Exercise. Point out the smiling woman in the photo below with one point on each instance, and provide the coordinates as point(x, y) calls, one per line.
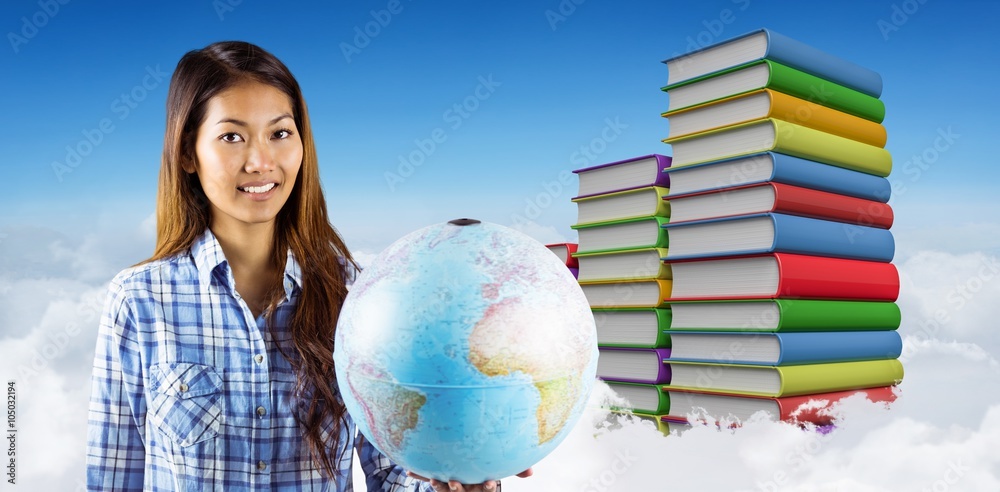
point(214, 365)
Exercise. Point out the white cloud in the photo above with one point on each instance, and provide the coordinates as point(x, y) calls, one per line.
point(939, 434)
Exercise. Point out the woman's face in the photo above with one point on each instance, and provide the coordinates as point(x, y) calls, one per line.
point(248, 154)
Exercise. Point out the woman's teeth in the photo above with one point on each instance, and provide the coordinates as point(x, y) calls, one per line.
point(258, 189)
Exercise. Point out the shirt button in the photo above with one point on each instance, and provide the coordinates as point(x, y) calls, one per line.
point(182, 387)
point(258, 358)
point(261, 465)
point(261, 411)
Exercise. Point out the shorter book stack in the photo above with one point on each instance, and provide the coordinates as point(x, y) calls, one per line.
point(782, 287)
point(620, 214)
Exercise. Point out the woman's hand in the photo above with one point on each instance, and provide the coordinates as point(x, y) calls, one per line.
point(454, 486)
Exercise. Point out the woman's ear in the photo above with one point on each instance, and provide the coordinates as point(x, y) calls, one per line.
point(188, 165)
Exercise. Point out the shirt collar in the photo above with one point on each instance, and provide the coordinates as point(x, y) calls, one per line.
point(208, 256)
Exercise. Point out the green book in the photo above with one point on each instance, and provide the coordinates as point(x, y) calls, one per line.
point(624, 265)
point(766, 74)
point(642, 398)
point(779, 381)
point(632, 327)
point(784, 315)
point(640, 232)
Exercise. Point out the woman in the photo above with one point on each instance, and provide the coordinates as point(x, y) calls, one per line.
point(213, 368)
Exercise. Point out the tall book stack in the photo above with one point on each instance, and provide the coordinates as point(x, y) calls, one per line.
point(620, 214)
point(780, 249)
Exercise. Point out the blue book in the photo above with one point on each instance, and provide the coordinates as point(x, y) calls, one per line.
point(777, 233)
point(779, 168)
point(767, 44)
point(784, 349)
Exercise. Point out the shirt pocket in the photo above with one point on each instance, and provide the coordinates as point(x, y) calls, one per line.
point(186, 401)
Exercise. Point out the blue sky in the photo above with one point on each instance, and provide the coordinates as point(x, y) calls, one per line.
point(560, 72)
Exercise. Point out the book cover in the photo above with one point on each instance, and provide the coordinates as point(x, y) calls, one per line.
point(633, 365)
point(778, 168)
point(779, 198)
point(780, 136)
point(565, 252)
point(642, 398)
point(629, 204)
point(811, 408)
point(784, 315)
point(782, 349)
point(785, 275)
point(623, 265)
point(639, 293)
point(789, 81)
point(632, 327)
point(778, 381)
point(627, 174)
point(640, 232)
point(767, 44)
point(777, 233)
point(766, 103)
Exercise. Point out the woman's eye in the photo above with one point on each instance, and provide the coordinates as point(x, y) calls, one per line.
point(231, 137)
point(282, 134)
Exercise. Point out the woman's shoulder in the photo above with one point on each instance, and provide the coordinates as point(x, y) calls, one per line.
point(160, 271)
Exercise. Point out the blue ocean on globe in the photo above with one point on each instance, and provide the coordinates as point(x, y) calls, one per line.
point(466, 350)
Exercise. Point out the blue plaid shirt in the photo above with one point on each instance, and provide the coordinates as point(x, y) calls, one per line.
point(191, 392)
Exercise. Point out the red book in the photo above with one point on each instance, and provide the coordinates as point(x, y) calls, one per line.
point(783, 275)
point(780, 198)
point(565, 253)
point(804, 409)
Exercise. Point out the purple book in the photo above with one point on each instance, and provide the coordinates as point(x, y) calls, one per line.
point(633, 365)
point(637, 172)
point(575, 272)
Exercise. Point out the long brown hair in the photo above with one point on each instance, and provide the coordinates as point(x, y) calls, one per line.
point(182, 215)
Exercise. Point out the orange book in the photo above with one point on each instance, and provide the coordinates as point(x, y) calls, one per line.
point(767, 103)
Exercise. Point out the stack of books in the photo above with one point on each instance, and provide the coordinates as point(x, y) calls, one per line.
point(782, 287)
point(620, 214)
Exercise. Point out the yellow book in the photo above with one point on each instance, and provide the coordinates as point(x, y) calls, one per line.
point(617, 418)
point(780, 136)
point(623, 264)
point(778, 381)
point(626, 294)
point(767, 103)
point(620, 205)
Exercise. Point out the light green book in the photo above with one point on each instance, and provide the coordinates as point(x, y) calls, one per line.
point(632, 327)
point(640, 232)
point(767, 74)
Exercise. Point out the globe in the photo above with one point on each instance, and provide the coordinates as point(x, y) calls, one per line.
point(465, 351)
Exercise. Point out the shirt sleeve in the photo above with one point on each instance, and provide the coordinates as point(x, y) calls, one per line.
point(381, 474)
point(116, 452)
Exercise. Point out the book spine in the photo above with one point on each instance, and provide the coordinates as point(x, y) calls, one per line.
point(820, 146)
point(838, 376)
point(817, 175)
point(793, 53)
point(805, 408)
point(821, 91)
point(812, 348)
point(817, 277)
point(662, 179)
point(831, 206)
point(803, 235)
point(822, 315)
point(824, 119)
